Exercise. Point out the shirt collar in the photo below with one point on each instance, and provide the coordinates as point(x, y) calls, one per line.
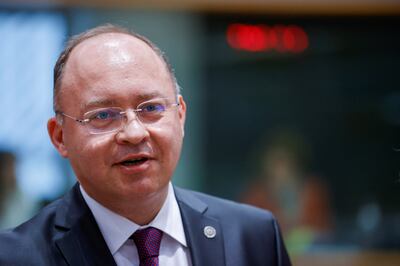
point(116, 229)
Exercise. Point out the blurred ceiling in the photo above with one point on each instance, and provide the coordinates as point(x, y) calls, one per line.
point(295, 7)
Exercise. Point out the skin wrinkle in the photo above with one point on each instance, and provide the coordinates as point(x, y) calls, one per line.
point(122, 72)
point(101, 102)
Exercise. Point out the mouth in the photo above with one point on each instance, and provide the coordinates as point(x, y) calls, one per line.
point(134, 162)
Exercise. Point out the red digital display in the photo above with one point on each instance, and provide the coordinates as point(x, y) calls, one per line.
point(260, 38)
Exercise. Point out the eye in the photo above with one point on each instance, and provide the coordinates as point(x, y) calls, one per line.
point(153, 108)
point(104, 114)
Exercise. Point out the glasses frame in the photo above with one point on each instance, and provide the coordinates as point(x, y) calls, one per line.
point(122, 113)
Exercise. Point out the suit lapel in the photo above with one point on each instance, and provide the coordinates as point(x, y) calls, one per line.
point(204, 250)
point(80, 240)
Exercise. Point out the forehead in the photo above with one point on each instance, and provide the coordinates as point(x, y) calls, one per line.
point(115, 48)
point(113, 63)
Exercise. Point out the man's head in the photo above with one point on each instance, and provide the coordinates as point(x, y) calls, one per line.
point(108, 68)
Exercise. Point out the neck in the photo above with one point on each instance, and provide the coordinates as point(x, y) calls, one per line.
point(140, 210)
point(144, 210)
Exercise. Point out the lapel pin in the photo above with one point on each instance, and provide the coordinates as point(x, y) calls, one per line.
point(209, 231)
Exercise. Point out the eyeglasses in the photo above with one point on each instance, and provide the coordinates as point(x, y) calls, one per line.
point(111, 119)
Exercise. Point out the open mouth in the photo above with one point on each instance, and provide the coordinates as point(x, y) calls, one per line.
point(132, 162)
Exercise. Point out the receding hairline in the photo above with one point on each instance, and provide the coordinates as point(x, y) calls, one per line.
point(107, 39)
point(77, 40)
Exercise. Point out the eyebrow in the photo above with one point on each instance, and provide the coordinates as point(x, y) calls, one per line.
point(98, 103)
point(149, 96)
point(108, 102)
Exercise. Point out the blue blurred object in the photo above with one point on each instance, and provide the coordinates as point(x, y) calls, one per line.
point(31, 42)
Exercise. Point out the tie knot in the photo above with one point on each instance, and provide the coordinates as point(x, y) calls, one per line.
point(147, 242)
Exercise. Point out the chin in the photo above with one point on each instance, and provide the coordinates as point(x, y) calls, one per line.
point(144, 187)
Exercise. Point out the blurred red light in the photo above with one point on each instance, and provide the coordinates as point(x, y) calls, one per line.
point(288, 39)
point(258, 38)
point(272, 37)
point(301, 37)
point(251, 38)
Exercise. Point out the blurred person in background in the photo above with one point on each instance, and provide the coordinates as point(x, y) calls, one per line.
point(15, 206)
point(120, 121)
point(299, 199)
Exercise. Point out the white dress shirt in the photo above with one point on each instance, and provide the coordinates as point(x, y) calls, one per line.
point(117, 229)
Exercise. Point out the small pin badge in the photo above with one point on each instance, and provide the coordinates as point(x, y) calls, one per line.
point(209, 231)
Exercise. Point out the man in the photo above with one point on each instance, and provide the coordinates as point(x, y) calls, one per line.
point(120, 122)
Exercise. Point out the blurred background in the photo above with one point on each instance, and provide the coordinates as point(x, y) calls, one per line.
point(293, 106)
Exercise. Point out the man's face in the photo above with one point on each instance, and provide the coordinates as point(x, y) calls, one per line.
point(117, 70)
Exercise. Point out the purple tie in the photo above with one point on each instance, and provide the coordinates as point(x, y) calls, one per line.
point(148, 245)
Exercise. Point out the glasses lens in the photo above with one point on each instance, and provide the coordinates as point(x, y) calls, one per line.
point(104, 120)
point(151, 111)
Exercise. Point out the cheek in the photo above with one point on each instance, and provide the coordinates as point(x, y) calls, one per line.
point(168, 140)
point(174, 149)
point(85, 151)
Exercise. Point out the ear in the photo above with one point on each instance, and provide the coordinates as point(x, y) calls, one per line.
point(182, 113)
point(56, 136)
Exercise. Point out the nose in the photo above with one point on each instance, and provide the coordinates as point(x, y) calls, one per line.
point(133, 132)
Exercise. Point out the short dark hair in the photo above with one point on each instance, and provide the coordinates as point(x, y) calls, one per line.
point(103, 29)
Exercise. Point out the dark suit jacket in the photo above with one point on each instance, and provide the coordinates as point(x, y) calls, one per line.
point(66, 233)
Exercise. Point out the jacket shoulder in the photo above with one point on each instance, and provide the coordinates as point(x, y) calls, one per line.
point(22, 244)
point(251, 235)
point(229, 213)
